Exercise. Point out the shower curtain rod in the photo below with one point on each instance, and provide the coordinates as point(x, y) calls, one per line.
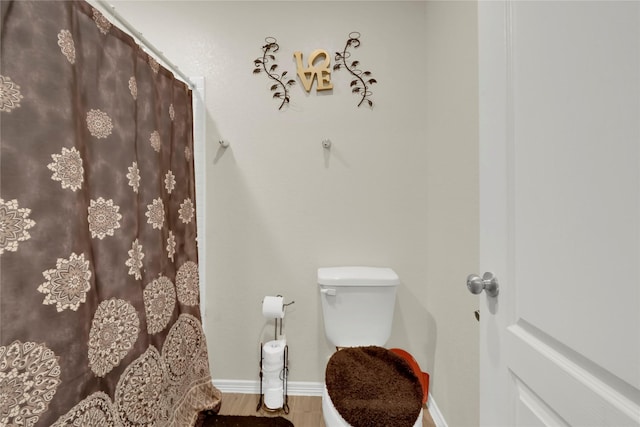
point(111, 9)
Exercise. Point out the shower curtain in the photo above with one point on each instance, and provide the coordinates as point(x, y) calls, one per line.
point(99, 295)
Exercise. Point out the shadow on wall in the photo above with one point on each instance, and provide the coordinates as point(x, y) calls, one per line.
point(219, 153)
point(332, 152)
point(212, 129)
point(418, 334)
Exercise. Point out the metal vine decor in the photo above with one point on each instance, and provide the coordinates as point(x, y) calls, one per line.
point(280, 88)
point(362, 79)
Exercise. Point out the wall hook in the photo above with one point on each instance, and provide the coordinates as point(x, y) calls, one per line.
point(223, 144)
point(326, 143)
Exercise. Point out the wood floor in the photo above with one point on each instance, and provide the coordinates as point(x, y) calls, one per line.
point(304, 411)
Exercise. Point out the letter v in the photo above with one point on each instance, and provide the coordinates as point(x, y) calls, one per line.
point(306, 75)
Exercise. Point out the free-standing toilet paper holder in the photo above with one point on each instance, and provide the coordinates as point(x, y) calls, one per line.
point(284, 373)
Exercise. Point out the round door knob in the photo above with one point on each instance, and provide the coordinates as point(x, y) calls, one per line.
point(488, 282)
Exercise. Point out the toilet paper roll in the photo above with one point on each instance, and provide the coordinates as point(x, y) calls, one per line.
point(273, 398)
point(272, 381)
point(273, 352)
point(273, 307)
point(272, 366)
point(272, 377)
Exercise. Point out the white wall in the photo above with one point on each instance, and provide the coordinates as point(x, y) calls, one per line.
point(398, 187)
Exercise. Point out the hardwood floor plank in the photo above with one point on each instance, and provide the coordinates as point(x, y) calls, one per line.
point(304, 411)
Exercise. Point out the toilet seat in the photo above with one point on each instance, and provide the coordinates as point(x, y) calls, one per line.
point(332, 417)
point(371, 386)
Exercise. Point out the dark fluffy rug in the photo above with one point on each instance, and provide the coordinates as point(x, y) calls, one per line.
point(213, 420)
point(373, 387)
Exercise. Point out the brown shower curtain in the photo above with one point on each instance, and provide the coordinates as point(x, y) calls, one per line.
point(99, 294)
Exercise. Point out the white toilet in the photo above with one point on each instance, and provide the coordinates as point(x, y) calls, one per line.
point(357, 308)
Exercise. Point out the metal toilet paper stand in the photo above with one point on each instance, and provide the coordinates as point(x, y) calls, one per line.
point(284, 373)
point(283, 377)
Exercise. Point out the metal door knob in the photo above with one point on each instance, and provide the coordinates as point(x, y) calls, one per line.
point(488, 282)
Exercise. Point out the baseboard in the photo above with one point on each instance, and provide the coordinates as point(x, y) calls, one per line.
point(304, 388)
point(294, 388)
point(435, 413)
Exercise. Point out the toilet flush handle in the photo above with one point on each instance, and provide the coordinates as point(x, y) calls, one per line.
point(329, 292)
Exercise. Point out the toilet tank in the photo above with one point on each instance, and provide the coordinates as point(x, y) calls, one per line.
point(357, 304)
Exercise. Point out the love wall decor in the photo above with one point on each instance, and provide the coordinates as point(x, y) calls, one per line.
point(320, 73)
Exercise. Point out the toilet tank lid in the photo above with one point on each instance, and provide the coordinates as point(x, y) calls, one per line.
point(357, 276)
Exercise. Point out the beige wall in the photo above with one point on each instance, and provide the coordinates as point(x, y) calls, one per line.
point(398, 187)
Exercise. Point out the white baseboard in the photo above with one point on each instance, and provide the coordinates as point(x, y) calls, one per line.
point(435, 413)
point(304, 388)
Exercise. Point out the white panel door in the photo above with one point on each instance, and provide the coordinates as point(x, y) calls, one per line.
point(560, 212)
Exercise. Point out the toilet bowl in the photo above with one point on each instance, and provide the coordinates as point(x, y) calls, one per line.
point(357, 305)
